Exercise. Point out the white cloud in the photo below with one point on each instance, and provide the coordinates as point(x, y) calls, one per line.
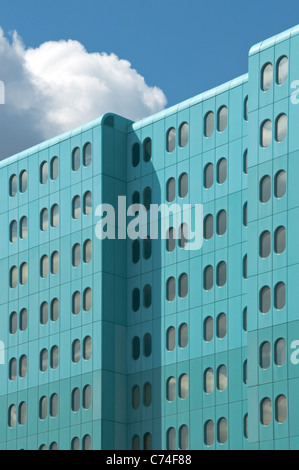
point(59, 85)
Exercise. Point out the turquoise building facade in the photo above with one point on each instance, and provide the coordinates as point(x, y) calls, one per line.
point(143, 344)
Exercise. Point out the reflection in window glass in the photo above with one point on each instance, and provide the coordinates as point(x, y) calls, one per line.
point(24, 273)
point(222, 119)
point(147, 394)
point(147, 441)
point(280, 352)
point(171, 389)
point(266, 411)
point(13, 277)
point(221, 326)
point(87, 348)
point(265, 244)
point(135, 154)
point(87, 397)
point(75, 443)
point(87, 299)
point(55, 262)
point(184, 437)
point(171, 338)
point(246, 108)
point(222, 378)
point(76, 303)
point(209, 433)
point(13, 185)
point(86, 443)
point(184, 134)
point(22, 413)
point(245, 162)
point(222, 171)
point(76, 207)
point(87, 203)
point(13, 369)
point(54, 309)
point(183, 235)
point(183, 285)
point(265, 355)
point(136, 443)
point(76, 159)
point(266, 133)
point(13, 323)
point(209, 175)
point(76, 255)
point(281, 127)
point(87, 251)
point(209, 384)
point(282, 70)
point(221, 222)
point(267, 77)
point(76, 400)
point(54, 215)
point(208, 277)
point(87, 154)
point(54, 357)
point(44, 360)
point(280, 183)
point(171, 439)
point(183, 335)
point(24, 227)
point(184, 386)
point(221, 274)
point(183, 185)
point(222, 431)
point(280, 295)
point(265, 189)
point(265, 299)
point(23, 319)
point(209, 124)
point(54, 404)
point(44, 220)
point(280, 240)
point(13, 231)
point(170, 289)
point(281, 409)
point(44, 313)
point(208, 329)
point(171, 137)
point(12, 416)
point(43, 408)
point(76, 351)
point(23, 366)
point(147, 149)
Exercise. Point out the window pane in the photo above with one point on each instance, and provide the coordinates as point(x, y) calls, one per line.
point(135, 154)
point(76, 207)
point(266, 411)
point(183, 185)
point(23, 319)
point(135, 299)
point(266, 133)
point(13, 277)
point(265, 299)
point(221, 222)
point(54, 403)
point(280, 352)
point(136, 443)
point(245, 162)
point(246, 108)
point(209, 329)
point(147, 248)
point(24, 273)
point(183, 235)
point(147, 394)
point(75, 443)
point(87, 203)
point(135, 348)
point(267, 77)
point(208, 227)
point(55, 262)
point(13, 185)
point(54, 357)
point(76, 400)
point(54, 168)
point(221, 326)
point(24, 228)
point(22, 413)
point(280, 184)
point(87, 154)
point(280, 295)
point(44, 172)
point(43, 408)
point(282, 70)
point(265, 244)
point(12, 416)
point(147, 441)
point(136, 197)
point(87, 302)
point(87, 443)
point(265, 355)
point(147, 296)
point(265, 189)
point(87, 348)
point(171, 439)
point(280, 240)
point(54, 309)
point(147, 345)
point(222, 431)
point(209, 175)
point(209, 433)
point(281, 409)
point(209, 124)
point(222, 119)
point(209, 381)
point(170, 239)
point(23, 181)
point(184, 134)
point(171, 189)
point(135, 251)
point(222, 171)
point(76, 303)
point(44, 313)
point(44, 220)
point(147, 198)
point(171, 389)
point(87, 254)
point(171, 136)
point(44, 360)
point(183, 285)
point(245, 214)
point(222, 378)
point(13, 369)
point(23, 366)
point(170, 289)
point(136, 397)
point(55, 215)
point(184, 437)
point(281, 127)
point(171, 338)
point(13, 323)
point(147, 149)
point(76, 351)
point(183, 335)
point(87, 397)
point(76, 159)
point(13, 231)
point(208, 277)
point(76, 255)
point(221, 274)
point(184, 386)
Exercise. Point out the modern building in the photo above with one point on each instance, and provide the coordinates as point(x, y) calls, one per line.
point(143, 344)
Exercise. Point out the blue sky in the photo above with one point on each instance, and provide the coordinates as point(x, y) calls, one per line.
point(184, 47)
point(178, 48)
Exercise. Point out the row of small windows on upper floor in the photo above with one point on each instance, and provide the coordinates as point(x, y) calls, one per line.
point(75, 444)
point(19, 414)
point(209, 435)
point(282, 72)
point(54, 169)
point(209, 126)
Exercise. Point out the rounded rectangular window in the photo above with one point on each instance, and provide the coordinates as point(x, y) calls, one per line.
point(87, 251)
point(265, 244)
point(267, 77)
point(13, 277)
point(209, 433)
point(147, 345)
point(43, 408)
point(171, 389)
point(76, 207)
point(281, 411)
point(222, 119)
point(184, 386)
point(76, 399)
point(266, 411)
point(221, 222)
point(280, 352)
point(136, 397)
point(209, 384)
point(281, 127)
point(209, 124)
point(87, 299)
point(208, 329)
point(171, 439)
point(13, 231)
point(24, 227)
point(13, 185)
point(208, 226)
point(209, 175)
point(280, 240)
point(280, 295)
point(55, 262)
point(280, 184)
point(87, 203)
point(87, 154)
point(266, 133)
point(171, 189)
point(44, 220)
point(265, 299)
point(54, 215)
point(135, 154)
point(282, 70)
point(76, 157)
point(184, 134)
point(44, 172)
point(170, 289)
point(171, 338)
point(265, 355)
point(222, 171)
point(87, 397)
point(184, 437)
point(147, 150)
point(183, 336)
point(170, 139)
point(183, 285)
point(76, 255)
point(23, 181)
point(222, 431)
point(183, 185)
point(54, 357)
point(208, 278)
point(221, 274)
point(54, 168)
